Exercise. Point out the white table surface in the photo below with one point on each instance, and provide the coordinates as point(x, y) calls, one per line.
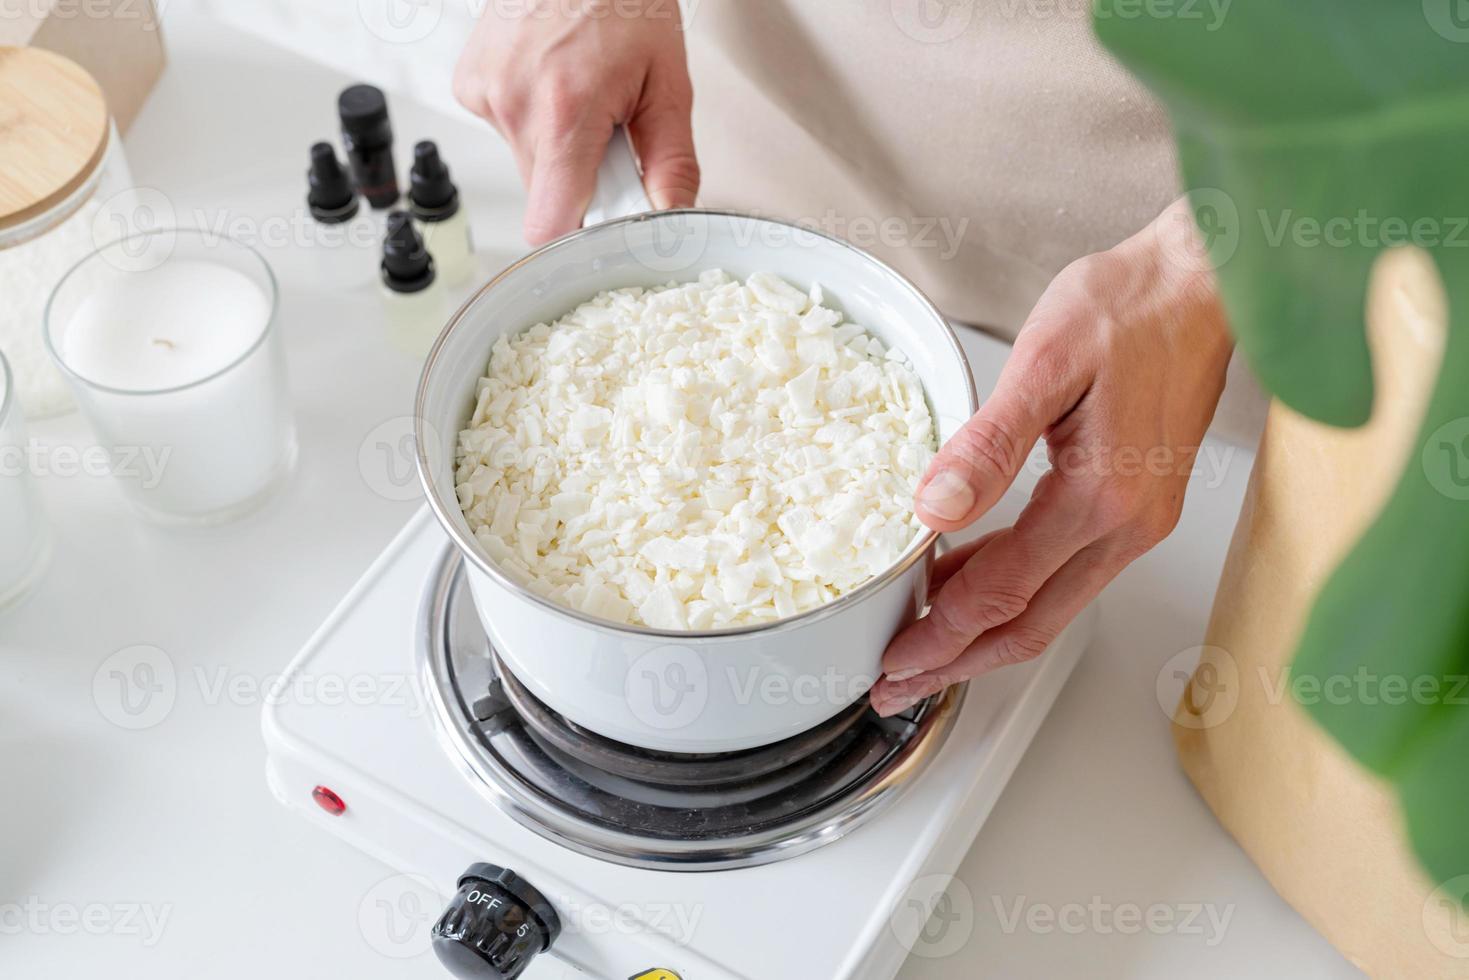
point(160, 852)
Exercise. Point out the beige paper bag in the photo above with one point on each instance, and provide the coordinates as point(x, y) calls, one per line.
point(1326, 833)
point(118, 41)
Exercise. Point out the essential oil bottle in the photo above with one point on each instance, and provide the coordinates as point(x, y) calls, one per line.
point(343, 236)
point(434, 202)
point(329, 194)
point(413, 298)
point(368, 138)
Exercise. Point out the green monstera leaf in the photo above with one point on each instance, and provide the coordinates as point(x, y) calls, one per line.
point(1314, 134)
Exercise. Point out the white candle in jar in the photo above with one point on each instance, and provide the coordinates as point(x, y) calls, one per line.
point(165, 327)
point(183, 389)
point(23, 530)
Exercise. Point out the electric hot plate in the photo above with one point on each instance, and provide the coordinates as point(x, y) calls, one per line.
point(527, 847)
point(665, 810)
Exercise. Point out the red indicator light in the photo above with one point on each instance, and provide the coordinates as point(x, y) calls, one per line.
point(328, 801)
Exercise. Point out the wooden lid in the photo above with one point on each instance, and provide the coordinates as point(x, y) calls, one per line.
point(53, 131)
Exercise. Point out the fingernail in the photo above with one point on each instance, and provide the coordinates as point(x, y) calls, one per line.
point(948, 496)
point(664, 200)
point(903, 675)
point(889, 708)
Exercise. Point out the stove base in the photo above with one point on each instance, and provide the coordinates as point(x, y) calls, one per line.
point(416, 807)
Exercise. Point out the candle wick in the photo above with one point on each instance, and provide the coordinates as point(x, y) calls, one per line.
point(165, 342)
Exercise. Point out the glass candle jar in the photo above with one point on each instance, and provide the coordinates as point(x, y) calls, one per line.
point(171, 344)
point(25, 536)
point(68, 178)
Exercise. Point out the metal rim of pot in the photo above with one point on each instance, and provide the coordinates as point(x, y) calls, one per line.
point(470, 548)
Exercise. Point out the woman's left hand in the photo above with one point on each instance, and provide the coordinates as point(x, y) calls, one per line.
point(1119, 368)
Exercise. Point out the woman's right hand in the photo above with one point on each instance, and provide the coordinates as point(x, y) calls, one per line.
point(555, 79)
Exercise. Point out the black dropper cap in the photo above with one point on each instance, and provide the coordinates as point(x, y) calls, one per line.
point(407, 267)
point(431, 194)
point(363, 110)
point(330, 197)
point(367, 137)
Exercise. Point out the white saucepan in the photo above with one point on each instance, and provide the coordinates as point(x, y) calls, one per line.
point(719, 690)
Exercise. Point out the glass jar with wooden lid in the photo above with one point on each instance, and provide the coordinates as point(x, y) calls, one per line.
point(62, 178)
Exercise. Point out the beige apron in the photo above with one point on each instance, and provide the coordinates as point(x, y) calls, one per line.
point(977, 145)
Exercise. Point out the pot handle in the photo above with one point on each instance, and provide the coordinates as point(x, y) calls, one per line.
point(619, 191)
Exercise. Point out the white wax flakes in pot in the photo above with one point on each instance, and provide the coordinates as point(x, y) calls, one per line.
point(698, 456)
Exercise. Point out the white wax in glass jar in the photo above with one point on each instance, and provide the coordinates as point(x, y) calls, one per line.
point(166, 327)
point(184, 381)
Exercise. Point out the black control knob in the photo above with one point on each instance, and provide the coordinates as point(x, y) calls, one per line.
point(495, 925)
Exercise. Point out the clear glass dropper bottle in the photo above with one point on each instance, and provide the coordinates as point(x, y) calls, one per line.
point(434, 201)
point(414, 300)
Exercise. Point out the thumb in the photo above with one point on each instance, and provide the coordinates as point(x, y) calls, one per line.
point(979, 462)
point(563, 175)
point(664, 137)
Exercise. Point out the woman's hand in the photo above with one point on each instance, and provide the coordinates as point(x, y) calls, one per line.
point(1118, 368)
point(556, 79)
